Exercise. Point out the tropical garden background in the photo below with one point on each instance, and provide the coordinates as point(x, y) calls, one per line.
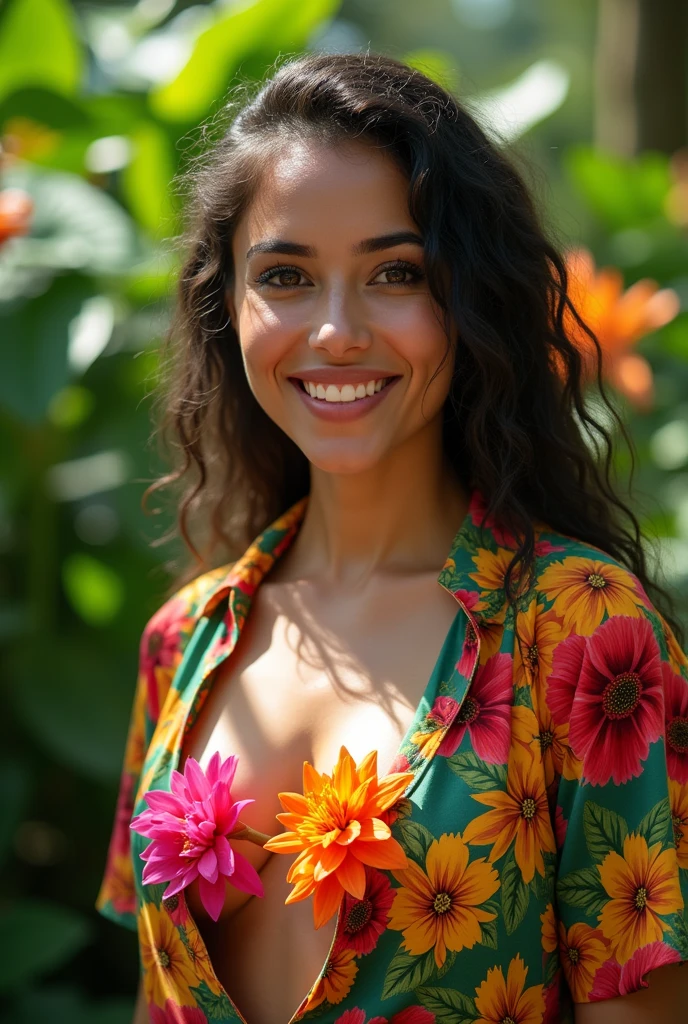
point(102, 104)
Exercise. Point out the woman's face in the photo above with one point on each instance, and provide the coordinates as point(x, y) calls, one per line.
point(330, 290)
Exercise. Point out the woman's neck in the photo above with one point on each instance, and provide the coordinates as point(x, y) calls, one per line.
point(401, 515)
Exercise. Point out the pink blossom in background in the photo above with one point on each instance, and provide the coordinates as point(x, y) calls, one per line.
point(188, 831)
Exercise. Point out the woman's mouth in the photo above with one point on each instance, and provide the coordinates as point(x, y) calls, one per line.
point(343, 402)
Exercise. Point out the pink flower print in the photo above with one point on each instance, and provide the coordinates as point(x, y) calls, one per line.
point(364, 920)
point(174, 1014)
point(563, 679)
point(613, 980)
point(485, 713)
point(188, 830)
point(618, 708)
point(411, 1015)
point(160, 648)
point(469, 651)
point(676, 713)
point(177, 909)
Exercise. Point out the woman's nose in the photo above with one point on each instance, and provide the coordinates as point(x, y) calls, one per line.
point(339, 326)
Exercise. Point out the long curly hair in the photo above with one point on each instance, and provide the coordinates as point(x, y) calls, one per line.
point(516, 424)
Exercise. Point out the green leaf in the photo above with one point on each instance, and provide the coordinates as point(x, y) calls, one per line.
point(416, 839)
point(449, 961)
point(448, 1005)
point(515, 893)
point(263, 29)
point(44, 936)
point(36, 365)
point(604, 830)
point(523, 697)
point(53, 696)
point(215, 1007)
point(476, 773)
point(656, 826)
point(551, 968)
point(39, 46)
point(146, 180)
point(406, 972)
point(437, 65)
point(95, 591)
point(488, 929)
point(583, 889)
point(623, 193)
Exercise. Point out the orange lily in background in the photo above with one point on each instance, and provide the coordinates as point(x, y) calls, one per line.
point(16, 208)
point(337, 830)
point(619, 319)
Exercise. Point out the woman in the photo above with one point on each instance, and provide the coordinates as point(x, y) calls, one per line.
point(373, 374)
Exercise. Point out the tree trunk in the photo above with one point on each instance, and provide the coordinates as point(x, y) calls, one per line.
point(641, 76)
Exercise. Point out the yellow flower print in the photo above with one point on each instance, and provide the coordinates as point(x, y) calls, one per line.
point(439, 908)
point(500, 1001)
point(678, 798)
point(491, 568)
point(336, 981)
point(582, 951)
point(549, 929)
point(538, 633)
point(546, 740)
point(520, 814)
point(584, 590)
point(643, 884)
point(167, 970)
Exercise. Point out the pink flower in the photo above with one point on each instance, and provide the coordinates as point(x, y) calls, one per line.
point(613, 980)
point(610, 686)
point(364, 920)
point(485, 712)
point(411, 1015)
point(188, 828)
point(676, 712)
point(174, 1014)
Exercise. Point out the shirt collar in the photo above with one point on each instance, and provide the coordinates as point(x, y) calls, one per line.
point(473, 572)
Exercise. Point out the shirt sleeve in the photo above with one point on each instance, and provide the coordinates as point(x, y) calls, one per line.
point(159, 655)
point(617, 694)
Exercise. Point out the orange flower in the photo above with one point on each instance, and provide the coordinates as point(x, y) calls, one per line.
point(439, 910)
point(584, 589)
point(583, 949)
point(643, 884)
point(497, 1000)
point(678, 796)
point(335, 981)
point(546, 740)
point(520, 814)
point(549, 929)
point(336, 829)
point(167, 970)
point(491, 567)
point(539, 632)
point(618, 319)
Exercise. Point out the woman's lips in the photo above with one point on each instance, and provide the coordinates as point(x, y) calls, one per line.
point(342, 412)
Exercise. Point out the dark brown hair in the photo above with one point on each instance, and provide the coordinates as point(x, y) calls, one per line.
point(516, 424)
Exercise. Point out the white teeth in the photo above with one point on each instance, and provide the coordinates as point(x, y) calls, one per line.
point(347, 393)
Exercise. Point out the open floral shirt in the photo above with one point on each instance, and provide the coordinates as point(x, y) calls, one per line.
point(546, 823)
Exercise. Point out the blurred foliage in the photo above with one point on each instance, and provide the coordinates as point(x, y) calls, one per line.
point(100, 105)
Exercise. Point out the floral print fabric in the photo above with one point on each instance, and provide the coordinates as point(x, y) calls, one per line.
point(546, 822)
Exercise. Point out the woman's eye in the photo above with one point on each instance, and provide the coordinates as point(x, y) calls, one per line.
point(400, 273)
point(281, 277)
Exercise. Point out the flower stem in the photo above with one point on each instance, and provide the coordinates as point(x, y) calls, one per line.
point(246, 832)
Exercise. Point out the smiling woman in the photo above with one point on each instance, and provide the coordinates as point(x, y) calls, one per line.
point(434, 659)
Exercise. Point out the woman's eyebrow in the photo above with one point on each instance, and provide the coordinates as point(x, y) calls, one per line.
point(285, 248)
